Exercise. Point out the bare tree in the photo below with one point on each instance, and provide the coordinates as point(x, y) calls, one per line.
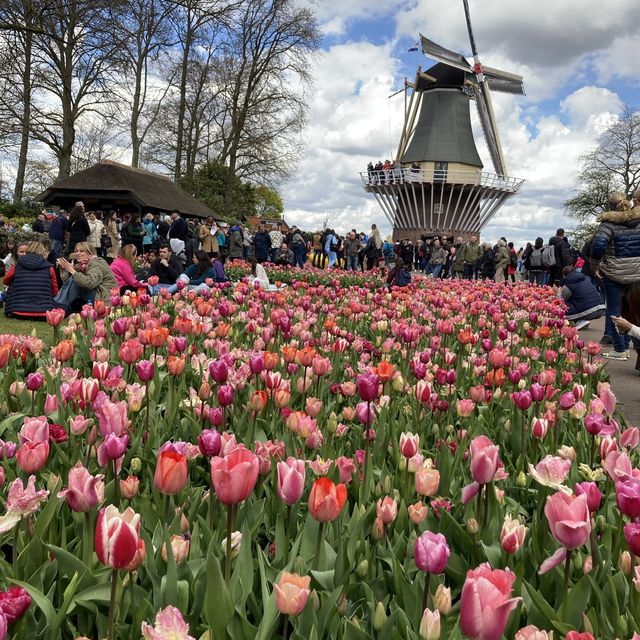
point(75, 59)
point(264, 73)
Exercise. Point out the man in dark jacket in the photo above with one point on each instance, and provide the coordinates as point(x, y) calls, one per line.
point(178, 230)
point(236, 242)
point(583, 300)
point(167, 267)
point(563, 256)
point(56, 232)
point(262, 244)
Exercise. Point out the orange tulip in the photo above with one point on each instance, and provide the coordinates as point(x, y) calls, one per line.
point(176, 364)
point(171, 470)
point(292, 592)
point(258, 400)
point(326, 499)
point(385, 371)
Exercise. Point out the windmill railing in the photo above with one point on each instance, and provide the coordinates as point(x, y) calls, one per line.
point(403, 175)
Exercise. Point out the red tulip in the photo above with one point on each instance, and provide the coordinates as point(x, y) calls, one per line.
point(485, 603)
point(117, 539)
point(14, 602)
point(171, 470)
point(569, 519)
point(235, 475)
point(326, 499)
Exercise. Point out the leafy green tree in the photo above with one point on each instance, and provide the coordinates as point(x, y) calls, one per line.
point(268, 202)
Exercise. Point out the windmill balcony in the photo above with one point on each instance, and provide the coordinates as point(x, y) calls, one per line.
point(397, 176)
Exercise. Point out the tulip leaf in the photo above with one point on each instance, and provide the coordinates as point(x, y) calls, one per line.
point(325, 579)
point(97, 593)
point(68, 563)
point(270, 614)
point(578, 600)
point(218, 606)
point(353, 632)
point(11, 421)
point(42, 602)
point(46, 515)
point(533, 597)
point(61, 615)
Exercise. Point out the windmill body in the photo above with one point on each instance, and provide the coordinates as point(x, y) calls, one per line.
point(439, 185)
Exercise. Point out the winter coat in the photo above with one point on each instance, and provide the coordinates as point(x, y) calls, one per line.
point(580, 295)
point(438, 256)
point(57, 228)
point(563, 257)
point(178, 229)
point(78, 232)
point(124, 274)
point(236, 241)
point(112, 231)
point(168, 274)
point(208, 243)
point(150, 233)
point(458, 259)
point(616, 245)
point(502, 257)
point(32, 286)
point(352, 247)
point(472, 252)
point(262, 245)
point(98, 277)
point(488, 264)
point(195, 279)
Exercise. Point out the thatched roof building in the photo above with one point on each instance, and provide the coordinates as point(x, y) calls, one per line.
point(111, 185)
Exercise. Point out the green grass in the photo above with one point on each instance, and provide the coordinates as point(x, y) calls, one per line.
point(26, 327)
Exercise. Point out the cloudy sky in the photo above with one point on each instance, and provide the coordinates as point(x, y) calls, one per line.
point(578, 60)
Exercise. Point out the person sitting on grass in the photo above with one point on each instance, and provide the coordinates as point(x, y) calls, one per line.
point(167, 268)
point(582, 298)
point(197, 274)
point(258, 274)
point(122, 268)
point(32, 284)
point(92, 278)
point(221, 276)
point(399, 276)
point(286, 257)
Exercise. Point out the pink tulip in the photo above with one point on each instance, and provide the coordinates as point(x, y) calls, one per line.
point(485, 603)
point(225, 395)
point(365, 412)
point(219, 371)
point(522, 399)
point(387, 509)
point(569, 519)
point(367, 384)
point(169, 624)
point(145, 370)
point(632, 536)
point(34, 381)
point(531, 632)
point(590, 489)
point(630, 438)
point(465, 407)
point(32, 456)
point(617, 464)
point(409, 444)
point(551, 471)
point(112, 448)
point(291, 477)
point(84, 490)
point(537, 392)
point(512, 535)
point(112, 417)
point(292, 593)
point(235, 475)
point(346, 468)
point(427, 481)
point(539, 428)
point(34, 430)
point(423, 391)
point(485, 458)
point(117, 538)
point(566, 400)
point(431, 552)
point(209, 442)
point(628, 497)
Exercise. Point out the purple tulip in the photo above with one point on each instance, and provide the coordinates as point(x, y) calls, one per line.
point(431, 552)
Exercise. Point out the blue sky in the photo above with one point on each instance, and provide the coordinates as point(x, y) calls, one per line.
point(578, 60)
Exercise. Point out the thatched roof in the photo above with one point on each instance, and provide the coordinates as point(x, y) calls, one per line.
point(113, 185)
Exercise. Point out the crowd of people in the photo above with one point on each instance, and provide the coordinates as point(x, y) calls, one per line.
point(82, 256)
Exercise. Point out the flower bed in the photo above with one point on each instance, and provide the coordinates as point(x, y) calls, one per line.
point(325, 461)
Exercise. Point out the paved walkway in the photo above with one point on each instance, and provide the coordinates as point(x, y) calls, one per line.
point(625, 380)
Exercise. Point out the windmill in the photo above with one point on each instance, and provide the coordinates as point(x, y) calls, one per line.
point(438, 185)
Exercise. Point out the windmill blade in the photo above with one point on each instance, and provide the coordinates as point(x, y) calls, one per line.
point(441, 54)
point(488, 120)
point(504, 81)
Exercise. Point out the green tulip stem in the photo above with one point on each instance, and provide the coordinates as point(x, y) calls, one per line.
point(16, 532)
point(167, 511)
point(212, 508)
point(227, 563)
point(485, 515)
point(87, 539)
point(285, 628)
point(116, 487)
point(523, 442)
point(425, 594)
point(567, 571)
point(365, 477)
point(288, 534)
point(316, 558)
point(112, 603)
point(146, 392)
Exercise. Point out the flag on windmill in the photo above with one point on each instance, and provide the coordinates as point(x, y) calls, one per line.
point(415, 47)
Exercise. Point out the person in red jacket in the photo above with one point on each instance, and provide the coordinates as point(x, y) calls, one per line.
point(122, 268)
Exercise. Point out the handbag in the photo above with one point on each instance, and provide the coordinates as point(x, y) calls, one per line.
point(68, 293)
point(106, 241)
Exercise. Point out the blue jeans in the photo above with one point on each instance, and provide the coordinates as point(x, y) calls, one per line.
point(333, 256)
point(613, 291)
point(435, 270)
point(300, 254)
point(161, 285)
point(537, 277)
point(352, 262)
point(56, 247)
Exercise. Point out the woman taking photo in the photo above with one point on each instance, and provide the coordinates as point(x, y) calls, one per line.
point(78, 228)
point(122, 268)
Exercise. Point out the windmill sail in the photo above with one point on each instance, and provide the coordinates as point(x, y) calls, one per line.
point(503, 81)
point(441, 54)
point(488, 121)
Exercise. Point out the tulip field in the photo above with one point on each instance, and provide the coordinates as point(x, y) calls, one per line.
point(332, 460)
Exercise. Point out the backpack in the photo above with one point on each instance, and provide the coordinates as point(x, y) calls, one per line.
point(535, 259)
point(549, 256)
point(334, 244)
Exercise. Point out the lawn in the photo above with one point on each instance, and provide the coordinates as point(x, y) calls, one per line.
point(26, 327)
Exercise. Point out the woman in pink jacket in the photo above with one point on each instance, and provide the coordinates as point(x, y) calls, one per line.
point(122, 268)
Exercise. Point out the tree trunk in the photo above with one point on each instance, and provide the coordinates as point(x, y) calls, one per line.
point(135, 117)
point(26, 118)
point(182, 106)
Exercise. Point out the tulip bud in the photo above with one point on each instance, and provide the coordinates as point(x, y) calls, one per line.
point(588, 565)
point(430, 625)
point(377, 531)
point(362, 569)
point(578, 561)
point(472, 526)
point(179, 548)
point(402, 464)
point(379, 616)
point(521, 480)
point(342, 604)
point(624, 563)
point(315, 600)
point(442, 599)
point(332, 423)
point(601, 523)
point(136, 465)
point(52, 482)
point(236, 543)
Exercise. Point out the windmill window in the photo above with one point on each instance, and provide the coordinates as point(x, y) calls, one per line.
point(440, 171)
point(437, 209)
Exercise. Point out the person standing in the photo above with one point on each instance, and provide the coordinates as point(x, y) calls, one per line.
point(387, 249)
point(502, 260)
point(97, 229)
point(351, 251)
point(262, 244)
point(458, 259)
point(276, 242)
point(150, 237)
point(299, 247)
point(78, 228)
point(236, 242)
point(374, 247)
point(513, 263)
point(330, 248)
point(111, 232)
point(134, 232)
point(438, 258)
point(178, 228)
point(616, 248)
point(533, 262)
point(562, 255)
point(57, 232)
point(472, 255)
point(207, 236)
